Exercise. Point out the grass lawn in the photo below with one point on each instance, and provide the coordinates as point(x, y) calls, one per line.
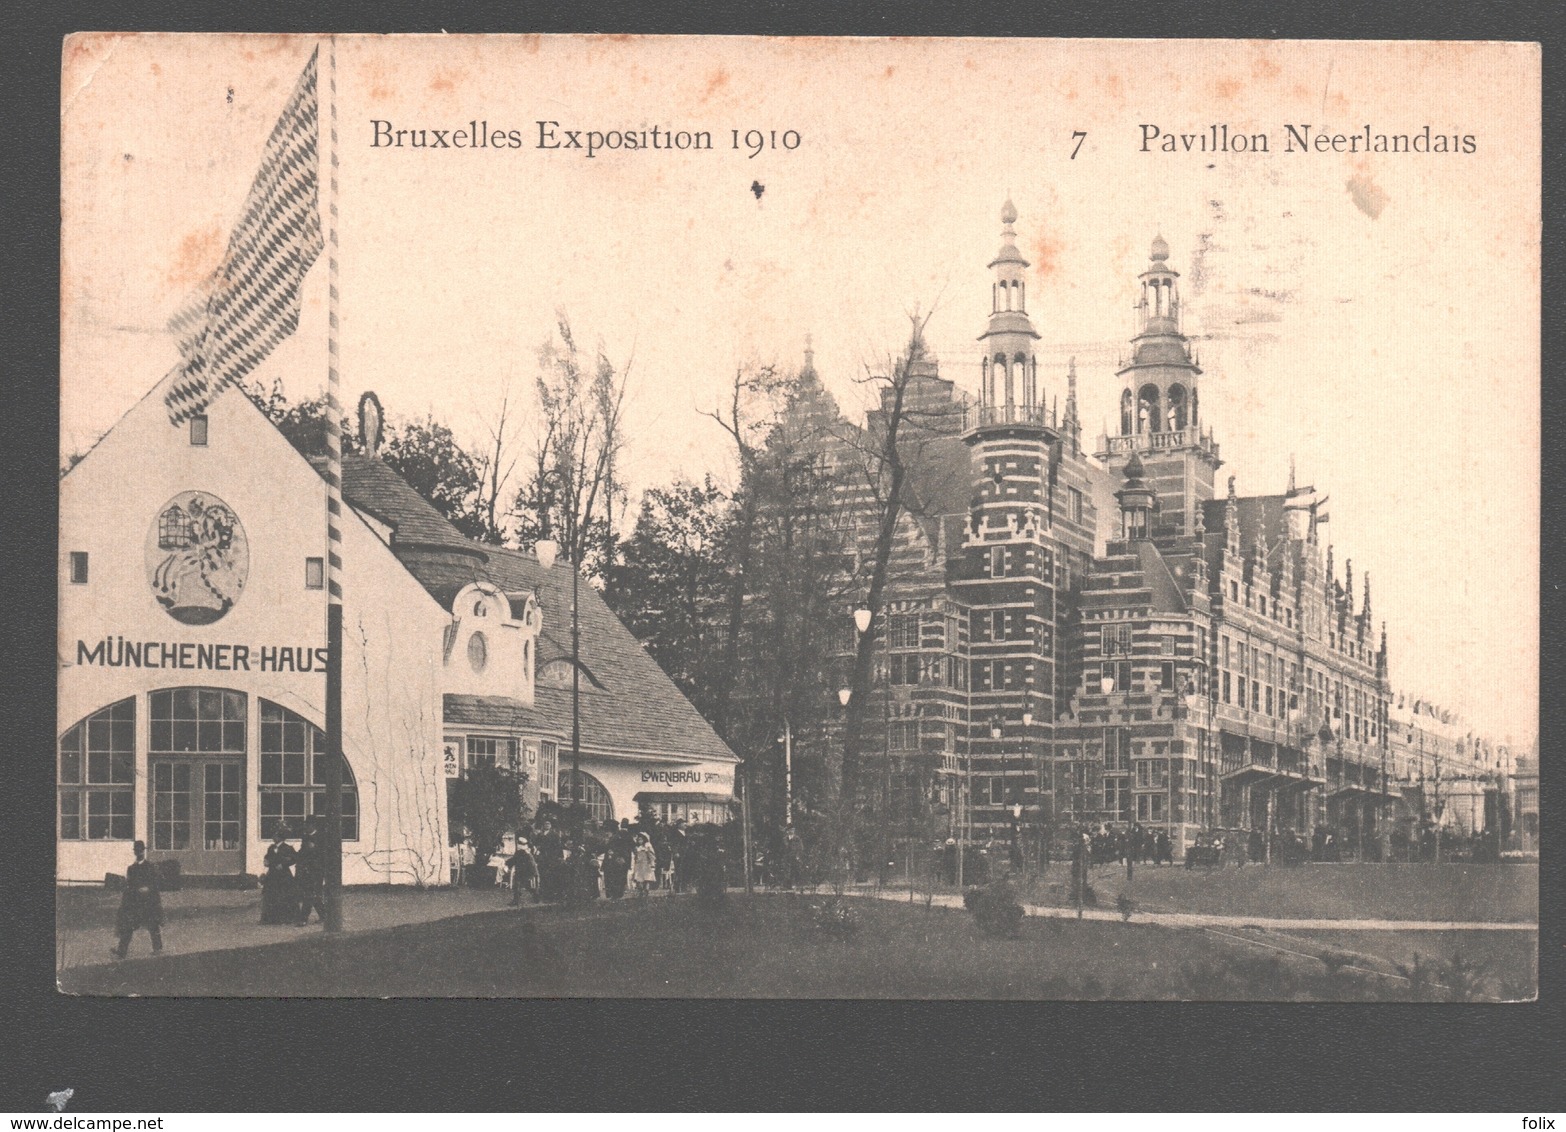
point(762, 947)
point(1456, 892)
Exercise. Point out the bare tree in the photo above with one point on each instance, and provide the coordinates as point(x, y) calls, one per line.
point(882, 446)
point(494, 466)
point(573, 484)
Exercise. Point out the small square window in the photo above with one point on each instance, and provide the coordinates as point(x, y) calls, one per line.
point(315, 573)
point(198, 431)
point(79, 567)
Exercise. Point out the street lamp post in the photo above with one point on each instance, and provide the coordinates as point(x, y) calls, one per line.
point(1027, 728)
point(788, 773)
point(546, 550)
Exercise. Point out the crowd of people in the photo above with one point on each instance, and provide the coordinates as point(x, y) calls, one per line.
point(557, 862)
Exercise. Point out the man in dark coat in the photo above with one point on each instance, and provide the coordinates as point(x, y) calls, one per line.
point(524, 873)
point(677, 847)
point(617, 860)
point(551, 862)
point(142, 904)
point(310, 875)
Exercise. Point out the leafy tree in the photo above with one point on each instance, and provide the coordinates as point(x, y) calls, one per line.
point(670, 581)
point(424, 452)
point(487, 803)
point(304, 422)
point(427, 455)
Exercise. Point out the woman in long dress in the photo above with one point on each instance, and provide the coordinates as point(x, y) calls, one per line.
point(644, 864)
point(279, 903)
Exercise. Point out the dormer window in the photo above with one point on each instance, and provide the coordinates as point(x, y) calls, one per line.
point(198, 431)
point(478, 652)
point(480, 608)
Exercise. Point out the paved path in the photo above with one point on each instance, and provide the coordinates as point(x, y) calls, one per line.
point(215, 920)
point(1206, 920)
point(219, 920)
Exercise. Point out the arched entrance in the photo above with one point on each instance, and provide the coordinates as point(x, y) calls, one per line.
point(196, 779)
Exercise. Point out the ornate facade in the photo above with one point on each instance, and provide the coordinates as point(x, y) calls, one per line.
point(1103, 637)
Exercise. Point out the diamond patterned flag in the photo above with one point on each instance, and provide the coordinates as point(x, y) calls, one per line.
point(251, 303)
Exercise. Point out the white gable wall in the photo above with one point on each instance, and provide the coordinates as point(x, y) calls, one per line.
point(391, 702)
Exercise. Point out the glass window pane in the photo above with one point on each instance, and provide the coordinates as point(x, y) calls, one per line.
point(293, 769)
point(98, 766)
point(210, 736)
point(71, 815)
point(162, 735)
point(122, 767)
point(293, 736)
point(234, 737)
point(271, 735)
point(184, 735)
point(122, 735)
point(184, 703)
point(162, 704)
point(234, 706)
point(70, 766)
point(271, 768)
point(210, 703)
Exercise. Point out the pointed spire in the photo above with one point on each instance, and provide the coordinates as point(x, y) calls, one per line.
point(810, 355)
point(1291, 475)
point(1364, 610)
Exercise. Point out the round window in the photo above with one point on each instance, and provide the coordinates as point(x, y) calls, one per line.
point(478, 652)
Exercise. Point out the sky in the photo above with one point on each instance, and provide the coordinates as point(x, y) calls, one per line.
point(1374, 315)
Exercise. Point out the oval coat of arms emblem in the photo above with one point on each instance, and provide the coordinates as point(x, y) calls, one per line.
point(197, 558)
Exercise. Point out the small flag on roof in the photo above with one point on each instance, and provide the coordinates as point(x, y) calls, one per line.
point(251, 302)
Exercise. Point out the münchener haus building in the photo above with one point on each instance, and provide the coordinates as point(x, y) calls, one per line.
point(192, 656)
point(1115, 635)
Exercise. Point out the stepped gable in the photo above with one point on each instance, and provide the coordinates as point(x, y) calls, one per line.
point(1258, 514)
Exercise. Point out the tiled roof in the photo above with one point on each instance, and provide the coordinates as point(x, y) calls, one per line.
point(638, 709)
point(373, 487)
point(493, 711)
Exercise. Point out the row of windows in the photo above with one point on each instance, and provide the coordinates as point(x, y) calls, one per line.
point(97, 770)
point(1117, 676)
point(78, 570)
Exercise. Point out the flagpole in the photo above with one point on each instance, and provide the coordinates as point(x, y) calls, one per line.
point(334, 539)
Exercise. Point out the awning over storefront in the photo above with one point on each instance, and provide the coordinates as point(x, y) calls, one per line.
point(682, 796)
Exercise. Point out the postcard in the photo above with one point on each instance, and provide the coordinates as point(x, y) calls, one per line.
point(562, 516)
